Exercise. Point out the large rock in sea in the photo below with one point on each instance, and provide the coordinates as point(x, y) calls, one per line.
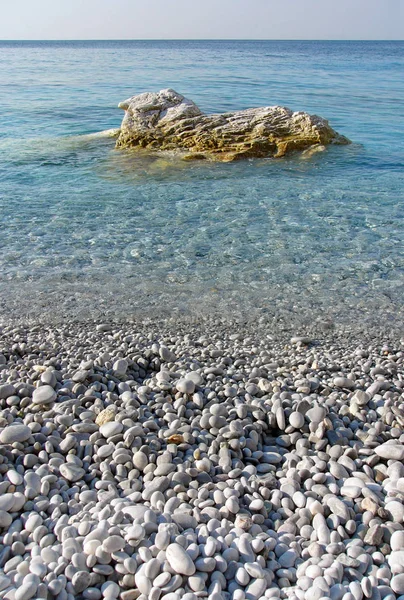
point(167, 121)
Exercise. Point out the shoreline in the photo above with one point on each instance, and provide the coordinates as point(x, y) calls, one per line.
point(278, 310)
point(257, 322)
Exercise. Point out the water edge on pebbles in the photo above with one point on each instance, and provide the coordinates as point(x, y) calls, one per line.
point(178, 460)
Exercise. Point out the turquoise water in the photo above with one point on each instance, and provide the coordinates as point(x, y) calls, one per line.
point(87, 230)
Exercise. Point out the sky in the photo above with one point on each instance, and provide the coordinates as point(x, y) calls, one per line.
point(206, 19)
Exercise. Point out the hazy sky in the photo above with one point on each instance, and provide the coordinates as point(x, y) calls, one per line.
point(171, 19)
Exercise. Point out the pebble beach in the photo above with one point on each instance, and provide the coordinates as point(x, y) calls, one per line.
point(186, 459)
point(201, 362)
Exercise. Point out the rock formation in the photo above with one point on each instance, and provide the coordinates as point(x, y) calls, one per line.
point(168, 121)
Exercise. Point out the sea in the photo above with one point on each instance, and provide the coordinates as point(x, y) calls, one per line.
point(91, 232)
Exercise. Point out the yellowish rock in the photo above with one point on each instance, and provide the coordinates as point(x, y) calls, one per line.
point(177, 438)
point(167, 121)
point(370, 505)
point(105, 416)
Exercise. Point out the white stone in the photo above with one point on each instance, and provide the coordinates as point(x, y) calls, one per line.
point(5, 519)
point(256, 589)
point(185, 386)
point(15, 433)
point(140, 460)
point(397, 584)
point(397, 541)
point(338, 508)
point(390, 451)
point(120, 367)
point(6, 502)
point(113, 543)
point(45, 394)
point(111, 428)
point(179, 560)
point(396, 510)
point(296, 419)
point(344, 382)
point(71, 472)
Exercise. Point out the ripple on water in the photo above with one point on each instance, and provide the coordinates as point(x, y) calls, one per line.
point(292, 235)
point(87, 229)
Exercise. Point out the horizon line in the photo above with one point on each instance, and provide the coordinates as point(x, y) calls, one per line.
point(203, 40)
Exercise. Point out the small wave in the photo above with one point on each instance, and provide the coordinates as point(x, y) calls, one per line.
point(34, 149)
point(107, 133)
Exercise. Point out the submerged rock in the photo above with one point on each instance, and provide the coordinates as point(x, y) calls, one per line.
point(167, 121)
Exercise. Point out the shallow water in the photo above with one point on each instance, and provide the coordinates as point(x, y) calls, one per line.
point(89, 230)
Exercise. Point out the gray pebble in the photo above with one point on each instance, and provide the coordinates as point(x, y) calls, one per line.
point(44, 394)
point(15, 433)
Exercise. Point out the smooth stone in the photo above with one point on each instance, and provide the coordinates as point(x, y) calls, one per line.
point(179, 560)
point(396, 560)
point(390, 451)
point(280, 418)
point(71, 472)
point(140, 460)
point(242, 577)
point(338, 508)
point(33, 480)
point(272, 458)
point(316, 414)
point(159, 484)
point(105, 451)
point(81, 581)
point(351, 491)
point(256, 505)
point(6, 391)
point(287, 559)
point(135, 511)
point(185, 386)
point(205, 564)
point(5, 519)
point(49, 378)
point(166, 355)
point(136, 532)
point(184, 520)
point(15, 433)
point(344, 382)
point(25, 591)
point(80, 376)
point(14, 477)
point(111, 428)
point(232, 505)
point(361, 398)
point(396, 510)
point(397, 541)
point(113, 543)
point(45, 394)
point(4, 582)
point(162, 540)
point(110, 589)
point(195, 377)
point(254, 570)
point(197, 582)
point(120, 366)
point(296, 420)
point(300, 340)
point(162, 579)
point(397, 583)
point(6, 502)
point(256, 589)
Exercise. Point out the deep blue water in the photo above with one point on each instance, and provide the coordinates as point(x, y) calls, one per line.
point(87, 229)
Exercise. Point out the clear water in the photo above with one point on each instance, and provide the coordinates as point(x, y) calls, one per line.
point(87, 230)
